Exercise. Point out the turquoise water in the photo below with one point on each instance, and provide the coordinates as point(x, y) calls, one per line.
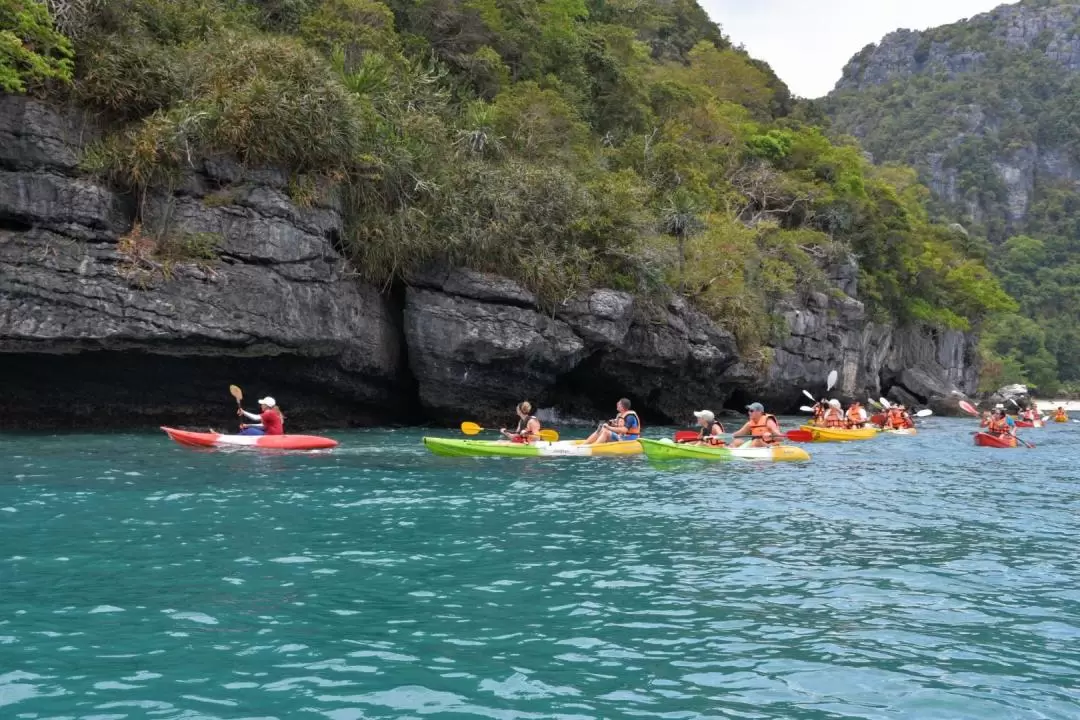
point(900, 578)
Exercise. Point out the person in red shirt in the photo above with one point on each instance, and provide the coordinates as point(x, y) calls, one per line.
point(270, 420)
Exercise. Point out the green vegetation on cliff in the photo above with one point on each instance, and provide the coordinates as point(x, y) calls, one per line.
point(988, 110)
point(565, 143)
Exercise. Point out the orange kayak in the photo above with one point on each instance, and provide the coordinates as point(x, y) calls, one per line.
point(262, 442)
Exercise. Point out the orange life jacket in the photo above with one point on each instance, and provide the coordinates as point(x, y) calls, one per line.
point(998, 426)
point(855, 415)
point(834, 418)
point(760, 429)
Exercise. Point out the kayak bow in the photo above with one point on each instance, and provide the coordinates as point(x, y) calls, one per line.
point(823, 434)
point(995, 441)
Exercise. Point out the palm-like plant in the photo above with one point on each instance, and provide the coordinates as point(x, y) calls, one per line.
point(681, 219)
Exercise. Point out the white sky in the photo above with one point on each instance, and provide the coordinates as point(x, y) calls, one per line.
point(808, 42)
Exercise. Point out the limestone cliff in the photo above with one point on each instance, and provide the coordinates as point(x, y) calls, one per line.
point(984, 108)
point(228, 279)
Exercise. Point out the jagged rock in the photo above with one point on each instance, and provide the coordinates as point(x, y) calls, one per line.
point(601, 317)
point(126, 337)
point(1011, 396)
point(482, 356)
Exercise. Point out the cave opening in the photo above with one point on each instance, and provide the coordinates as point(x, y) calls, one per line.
point(136, 390)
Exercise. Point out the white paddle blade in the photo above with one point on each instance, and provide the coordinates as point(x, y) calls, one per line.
point(807, 394)
point(831, 381)
point(884, 403)
point(807, 408)
point(924, 413)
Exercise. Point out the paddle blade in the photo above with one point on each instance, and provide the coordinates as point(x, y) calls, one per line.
point(471, 428)
point(874, 403)
point(807, 394)
point(237, 393)
point(831, 380)
point(807, 408)
point(885, 403)
point(799, 435)
point(549, 435)
point(686, 436)
point(968, 408)
point(924, 413)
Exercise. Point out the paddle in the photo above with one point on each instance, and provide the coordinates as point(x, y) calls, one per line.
point(807, 394)
point(237, 393)
point(924, 413)
point(831, 381)
point(885, 403)
point(471, 428)
point(968, 408)
point(806, 408)
point(874, 404)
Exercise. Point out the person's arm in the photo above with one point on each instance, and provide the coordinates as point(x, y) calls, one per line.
point(251, 416)
point(533, 427)
point(773, 427)
point(741, 431)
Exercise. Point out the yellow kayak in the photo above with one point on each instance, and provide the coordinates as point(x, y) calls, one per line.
point(823, 434)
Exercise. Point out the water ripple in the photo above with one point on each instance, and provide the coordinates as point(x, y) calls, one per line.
point(908, 578)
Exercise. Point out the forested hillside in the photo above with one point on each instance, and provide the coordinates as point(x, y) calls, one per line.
point(563, 143)
point(988, 110)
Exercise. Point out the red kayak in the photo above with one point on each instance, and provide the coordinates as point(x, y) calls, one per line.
point(262, 442)
point(1029, 423)
point(997, 441)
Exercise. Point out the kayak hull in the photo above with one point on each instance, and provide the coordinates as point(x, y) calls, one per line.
point(994, 441)
point(1029, 423)
point(822, 434)
point(667, 450)
point(452, 447)
point(1061, 420)
point(903, 431)
point(259, 442)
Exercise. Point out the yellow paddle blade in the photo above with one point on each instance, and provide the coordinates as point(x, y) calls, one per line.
point(549, 435)
point(471, 428)
point(236, 392)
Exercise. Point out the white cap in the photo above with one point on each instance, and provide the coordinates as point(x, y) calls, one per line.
point(268, 401)
point(704, 414)
point(834, 403)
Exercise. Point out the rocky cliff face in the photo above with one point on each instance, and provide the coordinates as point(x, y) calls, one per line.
point(972, 91)
point(104, 322)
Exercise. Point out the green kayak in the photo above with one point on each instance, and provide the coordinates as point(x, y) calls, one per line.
point(668, 450)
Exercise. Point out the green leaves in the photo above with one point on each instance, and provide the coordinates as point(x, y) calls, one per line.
point(32, 52)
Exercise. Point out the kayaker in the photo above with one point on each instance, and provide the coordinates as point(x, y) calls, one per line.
point(269, 421)
point(819, 413)
point(897, 418)
point(1060, 415)
point(985, 419)
point(624, 426)
point(834, 415)
point(764, 429)
point(711, 430)
point(1001, 424)
point(528, 427)
point(856, 416)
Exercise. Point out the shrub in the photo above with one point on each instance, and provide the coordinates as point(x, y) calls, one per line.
point(32, 52)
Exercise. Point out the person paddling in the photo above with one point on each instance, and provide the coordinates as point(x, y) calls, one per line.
point(1060, 415)
point(711, 430)
point(528, 427)
point(624, 426)
point(834, 415)
point(1001, 424)
point(897, 418)
point(763, 429)
point(269, 421)
point(856, 416)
